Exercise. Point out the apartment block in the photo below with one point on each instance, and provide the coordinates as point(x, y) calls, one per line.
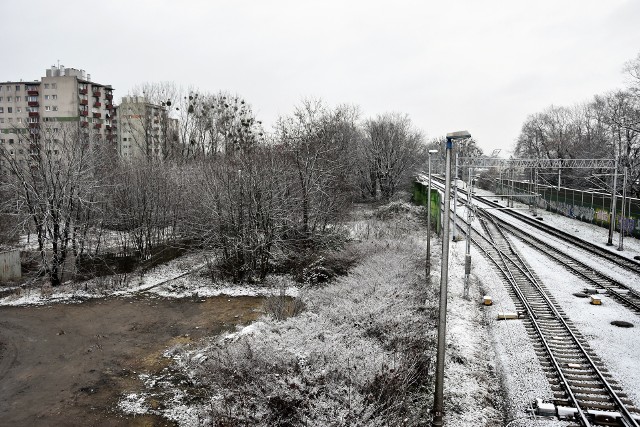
point(62, 95)
point(146, 131)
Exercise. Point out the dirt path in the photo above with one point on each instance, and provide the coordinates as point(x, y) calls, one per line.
point(68, 364)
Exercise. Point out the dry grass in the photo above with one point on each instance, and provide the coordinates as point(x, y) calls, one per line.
point(358, 355)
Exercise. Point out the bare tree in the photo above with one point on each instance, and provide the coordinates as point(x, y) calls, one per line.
point(317, 140)
point(54, 182)
point(388, 152)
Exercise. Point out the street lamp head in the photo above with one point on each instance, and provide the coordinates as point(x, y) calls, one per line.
point(452, 136)
point(432, 152)
point(462, 134)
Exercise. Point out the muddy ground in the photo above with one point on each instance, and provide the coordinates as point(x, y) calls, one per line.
point(68, 364)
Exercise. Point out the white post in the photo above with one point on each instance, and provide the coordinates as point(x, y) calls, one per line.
point(467, 257)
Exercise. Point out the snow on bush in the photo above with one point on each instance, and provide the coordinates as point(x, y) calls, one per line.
point(359, 354)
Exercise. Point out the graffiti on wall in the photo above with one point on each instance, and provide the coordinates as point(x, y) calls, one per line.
point(602, 216)
point(584, 213)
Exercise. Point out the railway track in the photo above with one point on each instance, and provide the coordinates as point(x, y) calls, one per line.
point(584, 392)
point(622, 261)
point(594, 278)
point(613, 257)
point(598, 280)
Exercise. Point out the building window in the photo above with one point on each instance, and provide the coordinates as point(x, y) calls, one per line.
point(0, 99)
point(17, 88)
point(46, 97)
point(18, 110)
point(46, 85)
point(10, 140)
point(54, 85)
point(19, 119)
point(10, 120)
point(47, 108)
point(1, 120)
point(1, 141)
point(54, 108)
point(9, 109)
point(8, 99)
point(17, 99)
point(1, 109)
point(54, 96)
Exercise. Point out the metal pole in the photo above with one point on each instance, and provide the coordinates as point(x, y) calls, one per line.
point(535, 198)
point(428, 265)
point(438, 400)
point(622, 217)
point(612, 213)
point(467, 257)
point(512, 188)
point(559, 170)
point(455, 201)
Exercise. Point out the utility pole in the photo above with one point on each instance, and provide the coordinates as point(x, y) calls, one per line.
point(428, 264)
point(455, 201)
point(612, 213)
point(535, 197)
point(622, 217)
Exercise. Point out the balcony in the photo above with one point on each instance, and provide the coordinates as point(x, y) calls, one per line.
point(97, 126)
point(33, 104)
point(34, 125)
point(34, 114)
point(97, 104)
point(84, 124)
point(108, 127)
point(108, 107)
point(32, 92)
point(83, 91)
point(97, 115)
point(84, 102)
point(84, 113)
point(97, 93)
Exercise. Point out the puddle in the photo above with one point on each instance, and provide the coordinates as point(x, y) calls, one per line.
point(68, 364)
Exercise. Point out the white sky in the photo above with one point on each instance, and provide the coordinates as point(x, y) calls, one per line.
point(451, 65)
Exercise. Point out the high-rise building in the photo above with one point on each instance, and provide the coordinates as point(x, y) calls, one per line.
point(146, 131)
point(62, 95)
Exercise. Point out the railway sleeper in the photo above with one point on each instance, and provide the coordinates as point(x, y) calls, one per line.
point(563, 411)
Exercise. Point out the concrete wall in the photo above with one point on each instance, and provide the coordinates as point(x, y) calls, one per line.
point(10, 266)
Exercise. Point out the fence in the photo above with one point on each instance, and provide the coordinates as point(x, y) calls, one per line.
point(420, 195)
point(10, 269)
point(587, 206)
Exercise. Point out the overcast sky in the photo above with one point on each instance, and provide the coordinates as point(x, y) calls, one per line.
point(451, 65)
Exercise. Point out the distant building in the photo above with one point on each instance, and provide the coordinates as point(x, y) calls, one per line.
point(146, 131)
point(62, 95)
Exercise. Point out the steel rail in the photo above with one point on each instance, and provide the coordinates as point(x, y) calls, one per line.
point(627, 418)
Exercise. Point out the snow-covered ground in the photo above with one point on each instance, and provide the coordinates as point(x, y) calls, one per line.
point(179, 278)
point(515, 360)
point(486, 357)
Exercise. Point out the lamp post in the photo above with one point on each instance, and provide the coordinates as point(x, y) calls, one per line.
point(428, 264)
point(438, 401)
